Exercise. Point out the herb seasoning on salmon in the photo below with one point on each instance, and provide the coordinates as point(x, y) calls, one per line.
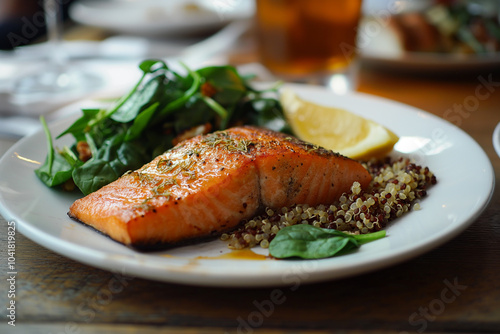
point(207, 185)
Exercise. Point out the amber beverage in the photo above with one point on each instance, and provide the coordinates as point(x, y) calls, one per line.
point(303, 37)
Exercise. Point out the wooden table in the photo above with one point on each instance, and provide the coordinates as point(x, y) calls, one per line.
point(454, 288)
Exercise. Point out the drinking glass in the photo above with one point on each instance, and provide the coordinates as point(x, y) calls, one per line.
point(309, 40)
point(58, 77)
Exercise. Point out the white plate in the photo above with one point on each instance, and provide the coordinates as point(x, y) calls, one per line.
point(159, 17)
point(496, 139)
point(465, 185)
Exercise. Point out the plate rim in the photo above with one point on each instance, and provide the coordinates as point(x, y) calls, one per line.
point(496, 139)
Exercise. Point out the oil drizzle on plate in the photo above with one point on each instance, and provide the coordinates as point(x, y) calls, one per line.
point(241, 254)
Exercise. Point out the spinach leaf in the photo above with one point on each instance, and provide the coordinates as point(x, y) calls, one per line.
point(81, 125)
point(309, 242)
point(110, 161)
point(152, 65)
point(181, 100)
point(93, 117)
point(215, 106)
point(56, 169)
point(195, 112)
point(129, 110)
point(140, 123)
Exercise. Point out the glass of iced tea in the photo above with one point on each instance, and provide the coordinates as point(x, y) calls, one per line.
point(304, 39)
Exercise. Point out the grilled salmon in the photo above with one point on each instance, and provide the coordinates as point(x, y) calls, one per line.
point(208, 184)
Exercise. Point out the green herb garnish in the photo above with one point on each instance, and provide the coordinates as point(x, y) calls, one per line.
point(309, 242)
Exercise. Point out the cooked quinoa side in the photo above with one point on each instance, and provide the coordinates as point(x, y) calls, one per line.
point(395, 189)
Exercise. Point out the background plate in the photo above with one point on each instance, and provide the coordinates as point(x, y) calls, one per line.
point(159, 17)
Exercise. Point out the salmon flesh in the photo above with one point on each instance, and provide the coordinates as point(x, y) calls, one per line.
point(209, 184)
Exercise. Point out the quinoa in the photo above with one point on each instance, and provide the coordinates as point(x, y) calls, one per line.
point(395, 189)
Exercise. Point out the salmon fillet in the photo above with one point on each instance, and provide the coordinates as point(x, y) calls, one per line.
point(210, 183)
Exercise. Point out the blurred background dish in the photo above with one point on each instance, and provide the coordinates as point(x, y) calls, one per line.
point(157, 17)
point(431, 35)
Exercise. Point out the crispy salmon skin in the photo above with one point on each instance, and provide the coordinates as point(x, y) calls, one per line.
point(210, 183)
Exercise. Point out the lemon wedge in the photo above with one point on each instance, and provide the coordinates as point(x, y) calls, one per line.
point(336, 129)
